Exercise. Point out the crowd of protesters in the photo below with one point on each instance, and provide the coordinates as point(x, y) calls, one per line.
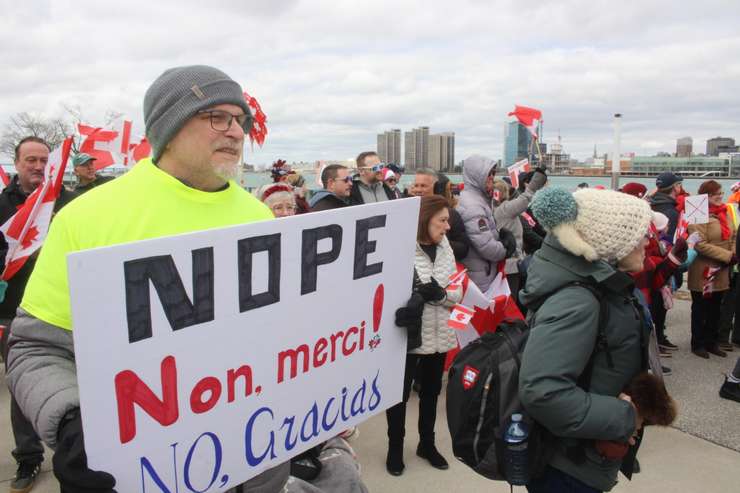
point(630, 246)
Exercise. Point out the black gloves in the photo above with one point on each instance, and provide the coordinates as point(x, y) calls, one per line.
point(409, 316)
point(431, 291)
point(507, 239)
point(70, 460)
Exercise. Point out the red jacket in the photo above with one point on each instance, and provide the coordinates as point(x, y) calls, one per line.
point(657, 269)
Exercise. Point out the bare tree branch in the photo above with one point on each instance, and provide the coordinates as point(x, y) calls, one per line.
point(52, 130)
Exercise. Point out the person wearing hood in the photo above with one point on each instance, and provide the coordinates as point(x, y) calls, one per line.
point(488, 244)
point(337, 184)
point(568, 382)
point(507, 209)
point(369, 187)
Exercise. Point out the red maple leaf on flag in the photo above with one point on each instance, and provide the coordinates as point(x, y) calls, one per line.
point(31, 235)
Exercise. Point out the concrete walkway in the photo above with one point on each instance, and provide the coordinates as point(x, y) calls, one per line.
point(701, 454)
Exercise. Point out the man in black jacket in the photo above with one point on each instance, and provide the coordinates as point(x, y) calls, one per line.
point(31, 156)
point(429, 182)
point(337, 183)
point(369, 188)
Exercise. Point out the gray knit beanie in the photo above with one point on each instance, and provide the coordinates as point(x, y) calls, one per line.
point(181, 92)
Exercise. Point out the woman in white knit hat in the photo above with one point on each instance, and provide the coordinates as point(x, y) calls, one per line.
point(571, 379)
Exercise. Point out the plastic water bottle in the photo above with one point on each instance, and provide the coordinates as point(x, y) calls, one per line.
point(516, 463)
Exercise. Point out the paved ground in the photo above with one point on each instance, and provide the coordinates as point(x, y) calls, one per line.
point(701, 454)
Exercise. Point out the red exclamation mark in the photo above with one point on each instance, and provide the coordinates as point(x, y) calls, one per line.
point(377, 307)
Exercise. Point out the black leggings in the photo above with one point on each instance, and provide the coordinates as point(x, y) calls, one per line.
point(705, 319)
point(429, 376)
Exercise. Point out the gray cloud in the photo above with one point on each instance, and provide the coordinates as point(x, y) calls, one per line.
point(330, 75)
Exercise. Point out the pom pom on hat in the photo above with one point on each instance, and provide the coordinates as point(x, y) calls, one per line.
point(594, 224)
point(553, 206)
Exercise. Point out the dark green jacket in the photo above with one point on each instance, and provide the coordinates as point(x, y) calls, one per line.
point(563, 336)
point(99, 180)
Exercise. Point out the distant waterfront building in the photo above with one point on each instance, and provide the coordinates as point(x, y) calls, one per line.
point(556, 160)
point(720, 144)
point(684, 147)
point(442, 151)
point(389, 146)
point(517, 140)
point(687, 166)
point(417, 148)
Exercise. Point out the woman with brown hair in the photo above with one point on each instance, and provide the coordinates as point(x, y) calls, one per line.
point(428, 312)
point(709, 275)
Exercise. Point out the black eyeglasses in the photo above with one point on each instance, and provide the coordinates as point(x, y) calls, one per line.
point(221, 120)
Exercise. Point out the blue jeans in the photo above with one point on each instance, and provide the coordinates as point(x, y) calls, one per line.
point(556, 481)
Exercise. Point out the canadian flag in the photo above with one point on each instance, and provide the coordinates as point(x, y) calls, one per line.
point(529, 117)
point(26, 230)
point(488, 308)
point(111, 146)
point(515, 169)
point(460, 317)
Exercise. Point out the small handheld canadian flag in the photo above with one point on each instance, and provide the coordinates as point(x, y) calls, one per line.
point(460, 317)
point(26, 230)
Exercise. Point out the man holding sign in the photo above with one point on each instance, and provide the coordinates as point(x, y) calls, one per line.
point(196, 119)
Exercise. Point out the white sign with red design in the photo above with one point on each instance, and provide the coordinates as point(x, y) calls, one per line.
point(515, 169)
point(256, 343)
point(697, 209)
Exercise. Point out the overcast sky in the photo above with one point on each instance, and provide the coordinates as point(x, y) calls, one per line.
point(330, 75)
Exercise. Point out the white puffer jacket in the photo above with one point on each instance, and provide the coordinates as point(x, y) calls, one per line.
point(436, 336)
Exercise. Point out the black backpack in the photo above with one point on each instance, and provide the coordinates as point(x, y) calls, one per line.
point(483, 393)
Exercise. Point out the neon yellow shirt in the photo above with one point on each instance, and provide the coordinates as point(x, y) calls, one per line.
point(144, 203)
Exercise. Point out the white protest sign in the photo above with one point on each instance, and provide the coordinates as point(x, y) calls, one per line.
point(697, 209)
point(515, 169)
point(213, 356)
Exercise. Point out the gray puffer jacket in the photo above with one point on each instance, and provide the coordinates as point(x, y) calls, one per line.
point(507, 216)
point(475, 209)
point(563, 336)
point(42, 377)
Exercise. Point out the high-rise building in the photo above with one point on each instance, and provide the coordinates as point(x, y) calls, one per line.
point(720, 144)
point(517, 141)
point(442, 151)
point(389, 146)
point(417, 148)
point(684, 147)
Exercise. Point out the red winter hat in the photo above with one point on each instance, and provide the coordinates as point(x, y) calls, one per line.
point(635, 189)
